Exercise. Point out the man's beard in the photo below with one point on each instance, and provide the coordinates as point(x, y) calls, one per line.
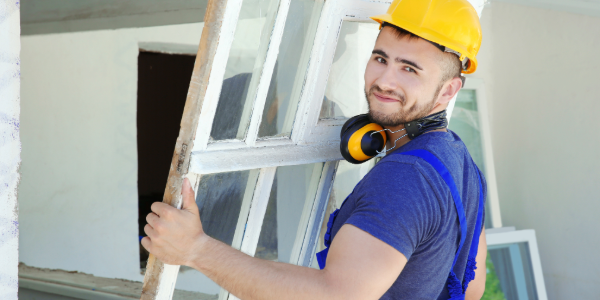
point(403, 116)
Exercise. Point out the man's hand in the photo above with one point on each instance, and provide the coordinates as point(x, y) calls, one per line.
point(175, 236)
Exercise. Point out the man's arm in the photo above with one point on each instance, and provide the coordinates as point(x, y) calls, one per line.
point(359, 266)
point(477, 286)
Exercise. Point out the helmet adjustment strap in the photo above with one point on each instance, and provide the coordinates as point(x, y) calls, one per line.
point(464, 61)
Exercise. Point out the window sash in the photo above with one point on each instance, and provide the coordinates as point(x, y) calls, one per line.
point(499, 237)
point(310, 221)
point(311, 140)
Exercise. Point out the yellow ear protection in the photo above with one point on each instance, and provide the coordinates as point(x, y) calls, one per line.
point(362, 139)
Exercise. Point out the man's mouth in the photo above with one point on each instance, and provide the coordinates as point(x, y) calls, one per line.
point(384, 98)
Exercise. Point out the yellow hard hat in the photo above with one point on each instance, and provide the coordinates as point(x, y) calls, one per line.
point(453, 24)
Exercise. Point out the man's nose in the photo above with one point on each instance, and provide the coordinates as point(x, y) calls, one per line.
point(388, 80)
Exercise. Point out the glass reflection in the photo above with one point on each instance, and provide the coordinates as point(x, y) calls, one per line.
point(246, 58)
point(513, 271)
point(286, 220)
point(220, 197)
point(288, 76)
point(345, 95)
point(465, 122)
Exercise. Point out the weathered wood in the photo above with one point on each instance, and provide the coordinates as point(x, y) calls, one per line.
point(207, 50)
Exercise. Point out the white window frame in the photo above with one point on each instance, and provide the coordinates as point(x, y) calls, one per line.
point(478, 85)
point(307, 143)
point(507, 236)
point(345, 10)
point(311, 140)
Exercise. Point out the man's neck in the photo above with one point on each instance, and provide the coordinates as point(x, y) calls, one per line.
point(398, 132)
point(393, 134)
point(391, 137)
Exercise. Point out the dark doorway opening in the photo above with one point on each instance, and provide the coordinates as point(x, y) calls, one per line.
point(163, 81)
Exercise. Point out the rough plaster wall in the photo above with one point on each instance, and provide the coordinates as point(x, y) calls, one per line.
point(78, 196)
point(10, 147)
point(543, 94)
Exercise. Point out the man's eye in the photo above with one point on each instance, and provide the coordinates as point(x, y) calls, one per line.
point(409, 69)
point(380, 60)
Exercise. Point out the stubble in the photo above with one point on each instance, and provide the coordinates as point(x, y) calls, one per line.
point(405, 114)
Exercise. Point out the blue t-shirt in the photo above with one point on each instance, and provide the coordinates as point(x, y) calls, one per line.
point(406, 204)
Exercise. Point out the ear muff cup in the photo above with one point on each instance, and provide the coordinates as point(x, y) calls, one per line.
point(360, 140)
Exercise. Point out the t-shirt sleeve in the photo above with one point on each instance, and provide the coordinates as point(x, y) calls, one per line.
point(397, 205)
point(485, 197)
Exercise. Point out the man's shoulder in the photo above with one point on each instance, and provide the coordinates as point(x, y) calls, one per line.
point(409, 169)
point(394, 167)
point(446, 146)
point(399, 176)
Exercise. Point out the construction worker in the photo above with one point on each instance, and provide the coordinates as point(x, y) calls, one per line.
point(412, 228)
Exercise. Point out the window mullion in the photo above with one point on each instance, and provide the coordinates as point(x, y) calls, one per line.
point(257, 211)
point(303, 63)
point(317, 214)
point(268, 155)
point(318, 69)
point(256, 214)
point(312, 196)
point(249, 195)
point(215, 81)
point(259, 90)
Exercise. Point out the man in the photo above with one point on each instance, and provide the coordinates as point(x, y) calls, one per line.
point(397, 234)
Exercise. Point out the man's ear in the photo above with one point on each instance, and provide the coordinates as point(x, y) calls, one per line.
point(449, 90)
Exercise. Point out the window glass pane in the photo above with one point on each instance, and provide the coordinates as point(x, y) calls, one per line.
point(345, 93)
point(512, 267)
point(220, 199)
point(288, 75)
point(224, 201)
point(246, 58)
point(346, 178)
point(465, 123)
point(286, 220)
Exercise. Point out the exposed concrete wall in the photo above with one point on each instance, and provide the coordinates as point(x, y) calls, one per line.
point(78, 196)
point(541, 69)
point(10, 147)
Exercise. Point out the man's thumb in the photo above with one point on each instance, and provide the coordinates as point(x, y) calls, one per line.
point(189, 198)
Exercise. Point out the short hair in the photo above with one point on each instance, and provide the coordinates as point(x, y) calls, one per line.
point(449, 62)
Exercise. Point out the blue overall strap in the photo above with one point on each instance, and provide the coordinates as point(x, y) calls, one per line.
point(471, 260)
point(322, 255)
point(455, 287)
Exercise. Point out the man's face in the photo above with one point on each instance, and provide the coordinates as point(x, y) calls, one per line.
point(402, 79)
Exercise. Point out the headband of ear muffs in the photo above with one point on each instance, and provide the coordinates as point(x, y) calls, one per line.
point(361, 139)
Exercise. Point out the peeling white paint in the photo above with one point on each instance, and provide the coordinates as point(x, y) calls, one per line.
point(10, 147)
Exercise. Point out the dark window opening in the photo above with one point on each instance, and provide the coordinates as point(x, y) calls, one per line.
point(163, 82)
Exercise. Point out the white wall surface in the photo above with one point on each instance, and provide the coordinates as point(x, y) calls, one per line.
point(541, 69)
point(10, 147)
point(78, 196)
